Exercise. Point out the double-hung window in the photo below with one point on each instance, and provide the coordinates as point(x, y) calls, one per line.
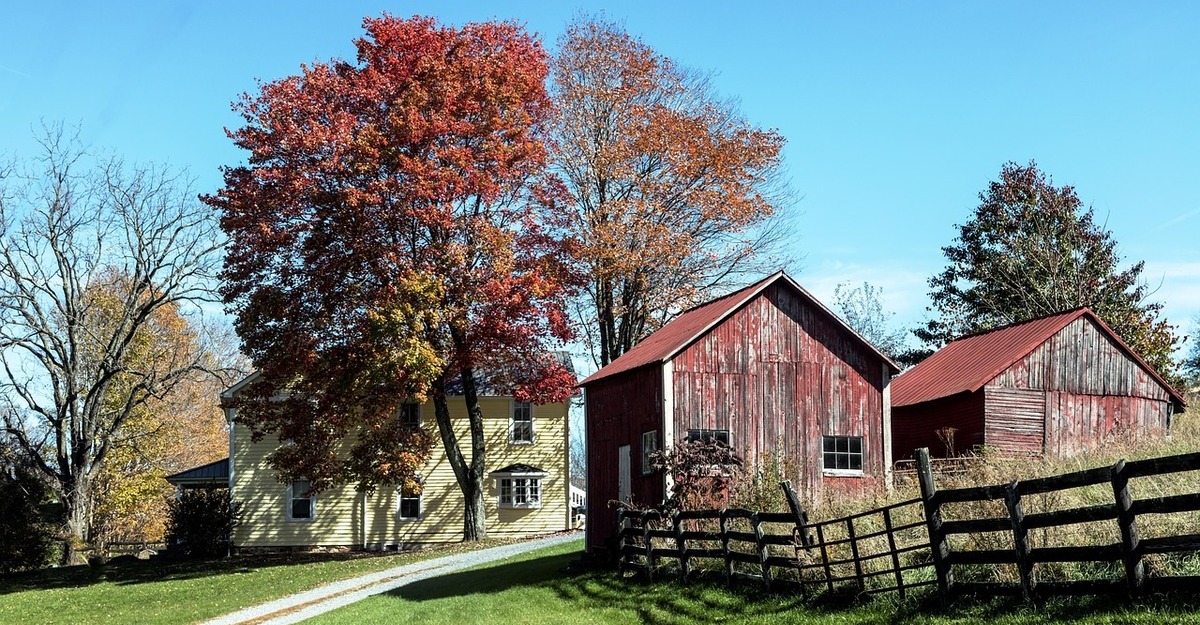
point(842, 454)
point(408, 506)
point(410, 415)
point(520, 425)
point(302, 504)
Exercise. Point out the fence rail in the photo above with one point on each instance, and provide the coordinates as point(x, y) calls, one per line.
point(907, 544)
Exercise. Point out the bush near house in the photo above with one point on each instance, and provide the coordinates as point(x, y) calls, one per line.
point(201, 520)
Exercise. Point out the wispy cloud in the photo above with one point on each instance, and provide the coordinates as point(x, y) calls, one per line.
point(1182, 217)
point(14, 71)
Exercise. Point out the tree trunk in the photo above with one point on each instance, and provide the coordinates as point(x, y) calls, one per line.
point(470, 475)
point(76, 501)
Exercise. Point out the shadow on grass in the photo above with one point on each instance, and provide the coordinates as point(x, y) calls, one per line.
point(670, 602)
point(161, 570)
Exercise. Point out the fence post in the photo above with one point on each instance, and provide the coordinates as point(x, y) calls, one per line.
point(1016, 514)
point(891, 536)
point(763, 554)
point(649, 544)
point(1130, 540)
point(620, 542)
point(825, 558)
point(938, 545)
point(801, 516)
point(725, 545)
point(680, 545)
point(858, 572)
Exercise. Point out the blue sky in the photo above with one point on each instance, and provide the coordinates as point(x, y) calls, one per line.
point(896, 114)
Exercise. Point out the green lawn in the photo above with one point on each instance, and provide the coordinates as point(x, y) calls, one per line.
point(532, 590)
point(177, 593)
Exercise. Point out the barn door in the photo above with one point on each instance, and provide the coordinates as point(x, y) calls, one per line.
point(624, 484)
point(1015, 420)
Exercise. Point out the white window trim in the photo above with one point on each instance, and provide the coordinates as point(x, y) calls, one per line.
point(646, 468)
point(844, 472)
point(512, 421)
point(420, 504)
point(288, 506)
point(500, 477)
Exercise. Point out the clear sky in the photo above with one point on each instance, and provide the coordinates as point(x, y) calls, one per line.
point(896, 113)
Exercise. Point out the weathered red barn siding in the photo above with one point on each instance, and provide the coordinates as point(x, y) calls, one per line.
point(619, 410)
point(779, 374)
point(917, 426)
point(1085, 389)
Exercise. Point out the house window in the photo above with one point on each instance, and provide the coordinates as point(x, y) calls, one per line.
point(842, 454)
point(302, 505)
point(520, 427)
point(410, 415)
point(520, 492)
point(704, 434)
point(649, 446)
point(409, 504)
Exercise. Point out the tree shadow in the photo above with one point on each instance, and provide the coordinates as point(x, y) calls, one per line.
point(160, 569)
point(670, 601)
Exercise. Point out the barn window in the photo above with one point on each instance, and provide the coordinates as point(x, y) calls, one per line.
point(649, 446)
point(842, 453)
point(705, 434)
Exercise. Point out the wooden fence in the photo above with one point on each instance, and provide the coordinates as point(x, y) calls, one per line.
point(912, 543)
point(880, 550)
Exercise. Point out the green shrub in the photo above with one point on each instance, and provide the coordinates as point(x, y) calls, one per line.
point(26, 536)
point(201, 522)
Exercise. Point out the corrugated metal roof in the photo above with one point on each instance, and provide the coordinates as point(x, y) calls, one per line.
point(969, 363)
point(692, 324)
point(214, 472)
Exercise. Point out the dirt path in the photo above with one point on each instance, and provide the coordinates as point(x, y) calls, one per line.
point(305, 605)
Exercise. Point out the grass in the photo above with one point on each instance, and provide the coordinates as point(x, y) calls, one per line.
point(532, 590)
point(178, 592)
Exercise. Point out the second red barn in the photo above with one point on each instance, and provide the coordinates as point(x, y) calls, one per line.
point(766, 368)
point(1052, 386)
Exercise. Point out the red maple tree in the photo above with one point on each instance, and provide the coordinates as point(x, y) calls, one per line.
point(388, 235)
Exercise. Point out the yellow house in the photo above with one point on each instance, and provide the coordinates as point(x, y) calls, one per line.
point(528, 489)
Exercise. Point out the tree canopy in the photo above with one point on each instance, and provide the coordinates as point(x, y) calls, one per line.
point(1031, 249)
point(672, 193)
point(862, 309)
point(389, 234)
point(94, 256)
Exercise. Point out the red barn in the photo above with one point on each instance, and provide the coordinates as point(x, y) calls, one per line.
point(766, 368)
point(1050, 386)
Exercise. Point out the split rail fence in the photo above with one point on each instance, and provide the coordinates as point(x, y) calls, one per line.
point(920, 542)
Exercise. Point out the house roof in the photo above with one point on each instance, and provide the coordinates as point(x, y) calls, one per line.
point(966, 365)
point(213, 472)
point(484, 385)
point(685, 329)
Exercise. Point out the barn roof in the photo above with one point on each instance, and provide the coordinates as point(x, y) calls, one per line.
point(969, 363)
point(685, 329)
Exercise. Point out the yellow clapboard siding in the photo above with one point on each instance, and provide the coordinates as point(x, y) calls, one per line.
point(346, 517)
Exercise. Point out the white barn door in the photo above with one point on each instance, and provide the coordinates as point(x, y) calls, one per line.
point(624, 485)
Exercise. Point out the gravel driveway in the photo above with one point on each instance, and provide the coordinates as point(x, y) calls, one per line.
point(305, 605)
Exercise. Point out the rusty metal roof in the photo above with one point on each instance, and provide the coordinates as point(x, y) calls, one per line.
point(685, 329)
point(969, 363)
